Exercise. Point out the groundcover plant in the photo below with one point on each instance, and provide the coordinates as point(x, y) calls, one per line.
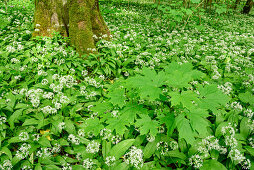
point(157, 96)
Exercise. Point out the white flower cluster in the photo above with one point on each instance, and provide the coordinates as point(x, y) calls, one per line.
point(105, 133)
point(110, 160)
point(48, 110)
point(134, 157)
point(93, 147)
point(6, 165)
point(162, 147)
point(48, 95)
point(236, 106)
point(61, 125)
point(23, 151)
point(116, 139)
point(150, 138)
point(73, 139)
point(92, 82)
point(249, 113)
point(234, 154)
point(67, 166)
point(173, 145)
point(251, 142)
point(226, 88)
point(88, 163)
point(2, 120)
point(44, 153)
point(34, 96)
point(23, 136)
point(208, 144)
point(14, 60)
point(196, 161)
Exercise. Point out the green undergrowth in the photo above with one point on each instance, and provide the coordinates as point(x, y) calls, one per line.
point(156, 96)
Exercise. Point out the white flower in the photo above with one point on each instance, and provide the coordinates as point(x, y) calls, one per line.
point(44, 82)
point(2, 120)
point(196, 161)
point(7, 165)
point(88, 163)
point(162, 147)
point(61, 125)
point(134, 157)
point(110, 160)
point(236, 156)
point(93, 147)
point(23, 136)
point(173, 145)
point(73, 139)
point(23, 151)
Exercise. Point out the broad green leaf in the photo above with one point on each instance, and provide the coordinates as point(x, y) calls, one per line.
point(212, 98)
point(147, 125)
point(31, 121)
point(117, 97)
point(148, 85)
point(14, 117)
point(150, 148)
point(195, 1)
point(44, 142)
point(7, 152)
point(212, 165)
point(244, 127)
point(119, 149)
point(70, 128)
point(176, 154)
point(93, 125)
point(186, 98)
point(184, 129)
point(106, 147)
point(249, 150)
point(247, 97)
point(169, 121)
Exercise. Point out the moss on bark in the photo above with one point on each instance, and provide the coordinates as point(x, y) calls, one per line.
point(77, 19)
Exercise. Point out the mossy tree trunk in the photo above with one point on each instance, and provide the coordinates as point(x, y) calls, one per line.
point(78, 19)
point(247, 7)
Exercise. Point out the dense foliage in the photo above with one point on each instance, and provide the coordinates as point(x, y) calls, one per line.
point(156, 96)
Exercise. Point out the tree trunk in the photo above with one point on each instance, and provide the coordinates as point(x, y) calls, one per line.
point(78, 19)
point(237, 2)
point(247, 7)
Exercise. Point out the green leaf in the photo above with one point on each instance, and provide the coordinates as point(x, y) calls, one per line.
point(176, 154)
point(184, 129)
point(31, 121)
point(119, 149)
point(93, 125)
point(44, 142)
point(250, 150)
point(212, 98)
point(117, 97)
point(70, 128)
point(14, 117)
point(212, 165)
point(7, 152)
point(106, 147)
point(244, 127)
point(146, 125)
point(198, 121)
point(150, 148)
point(195, 1)
point(179, 76)
point(38, 167)
point(247, 97)
point(186, 98)
point(148, 85)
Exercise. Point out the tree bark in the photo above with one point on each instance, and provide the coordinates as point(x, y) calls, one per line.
point(79, 20)
point(237, 2)
point(247, 7)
